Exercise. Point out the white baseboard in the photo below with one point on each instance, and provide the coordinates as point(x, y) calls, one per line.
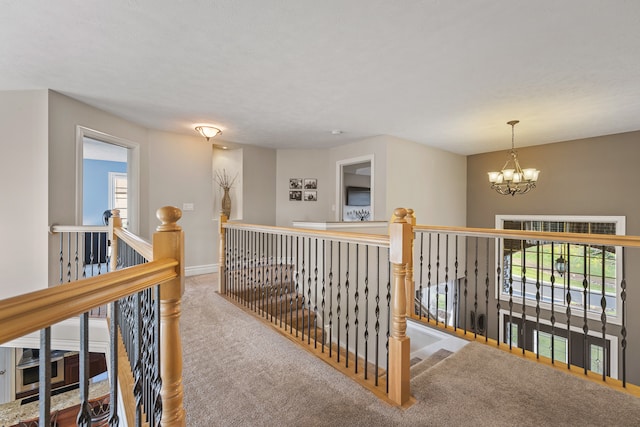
point(200, 269)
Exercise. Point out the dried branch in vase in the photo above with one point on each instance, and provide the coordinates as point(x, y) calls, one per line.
point(224, 180)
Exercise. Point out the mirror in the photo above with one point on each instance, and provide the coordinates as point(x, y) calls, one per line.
point(355, 189)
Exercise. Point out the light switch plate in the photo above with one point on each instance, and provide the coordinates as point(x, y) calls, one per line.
point(188, 207)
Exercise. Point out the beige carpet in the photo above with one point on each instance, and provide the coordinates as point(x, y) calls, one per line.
point(240, 372)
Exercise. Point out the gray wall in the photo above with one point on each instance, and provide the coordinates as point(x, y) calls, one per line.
point(23, 188)
point(594, 176)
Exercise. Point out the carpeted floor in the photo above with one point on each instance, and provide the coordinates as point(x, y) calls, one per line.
point(240, 372)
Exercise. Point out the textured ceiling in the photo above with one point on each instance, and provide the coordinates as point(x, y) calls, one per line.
point(278, 73)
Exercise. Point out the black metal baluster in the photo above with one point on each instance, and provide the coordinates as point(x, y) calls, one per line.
point(388, 312)
point(475, 293)
point(523, 286)
point(568, 276)
point(76, 258)
point(456, 314)
point(356, 309)
point(291, 285)
point(315, 297)
point(44, 376)
point(510, 296)
point(429, 283)
point(366, 313)
point(446, 281)
point(309, 293)
point(553, 307)
point(113, 358)
point(282, 282)
point(377, 313)
point(68, 257)
point(338, 308)
point(603, 319)
point(61, 258)
point(499, 258)
point(137, 358)
point(303, 299)
point(330, 343)
point(346, 316)
point(324, 270)
point(157, 378)
point(84, 416)
point(585, 294)
point(421, 266)
point(623, 330)
point(437, 280)
point(466, 283)
point(538, 267)
point(486, 296)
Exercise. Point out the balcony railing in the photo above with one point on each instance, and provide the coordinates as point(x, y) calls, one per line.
point(143, 285)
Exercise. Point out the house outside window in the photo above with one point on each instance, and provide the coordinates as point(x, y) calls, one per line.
point(531, 267)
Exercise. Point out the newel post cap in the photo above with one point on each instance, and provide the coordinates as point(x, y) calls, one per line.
point(169, 216)
point(400, 214)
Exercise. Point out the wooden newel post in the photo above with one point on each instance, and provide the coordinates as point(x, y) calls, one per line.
point(114, 222)
point(410, 285)
point(222, 284)
point(168, 242)
point(400, 241)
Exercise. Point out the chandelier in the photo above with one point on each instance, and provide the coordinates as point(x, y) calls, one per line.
point(512, 179)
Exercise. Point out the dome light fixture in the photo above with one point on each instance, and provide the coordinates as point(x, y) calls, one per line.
point(208, 131)
point(512, 179)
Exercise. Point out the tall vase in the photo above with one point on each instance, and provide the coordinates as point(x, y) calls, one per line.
point(226, 203)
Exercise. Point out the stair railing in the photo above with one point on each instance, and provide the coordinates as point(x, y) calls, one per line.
point(341, 294)
point(152, 324)
point(474, 282)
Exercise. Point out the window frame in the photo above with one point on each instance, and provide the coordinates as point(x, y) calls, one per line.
point(620, 224)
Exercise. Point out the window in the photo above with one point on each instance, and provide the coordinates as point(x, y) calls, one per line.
point(545, 344)
point(555, 273)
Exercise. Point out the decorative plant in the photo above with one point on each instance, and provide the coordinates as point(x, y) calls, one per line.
point(361, 214)
point(224, 180)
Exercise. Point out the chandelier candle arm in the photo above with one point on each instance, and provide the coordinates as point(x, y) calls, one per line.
point(512, 179)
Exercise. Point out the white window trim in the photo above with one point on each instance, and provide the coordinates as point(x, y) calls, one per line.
point(133, 173)
point(620, 222)
point(613, 340)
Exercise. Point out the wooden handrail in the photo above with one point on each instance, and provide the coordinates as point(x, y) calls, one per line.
point(138, 244)
point(338, 236)
point(33, 311)
point(583, 238)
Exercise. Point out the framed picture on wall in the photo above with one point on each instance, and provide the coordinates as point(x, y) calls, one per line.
point(310, 184)
point(310, 195)
point(295, 183)
point(295, 195)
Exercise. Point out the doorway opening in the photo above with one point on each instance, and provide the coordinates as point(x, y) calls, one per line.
point(355, 191)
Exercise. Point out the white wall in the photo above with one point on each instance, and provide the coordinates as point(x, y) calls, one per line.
point(433, 182)
point(24, 192)
point(180, 172)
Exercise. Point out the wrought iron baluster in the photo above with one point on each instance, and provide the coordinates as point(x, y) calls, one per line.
point(356, 309)
point(68, 257)
point(623, 329)
point(388, 311)
point(330, 298)
point(290, 284)
point(466, 282)
point(324, 269)
point(446, 281)
point(421, 273)
point(61, 258)
point(523, 286)
point(486, 295)
point(84, 415)
point(568, 275)
point(338, 308)
point(553, 305)
point(510, 296)
point(456, 314)
point(302, 299)
point(283, 280)
point(437, 309)
point(429, 283)
point(113, 358)
point(585, 294)
point(475, 293)
point(377, 313)
point(538, 267)
point(499, 258)
point(315, 297)
point(346, 316)
point(603, 319)
point(76, 259)
point(44, 376)
point(366, 313)
point(137, 358)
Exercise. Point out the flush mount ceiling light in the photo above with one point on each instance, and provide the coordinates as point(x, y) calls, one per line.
point(208, 131)
point(512, 179)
